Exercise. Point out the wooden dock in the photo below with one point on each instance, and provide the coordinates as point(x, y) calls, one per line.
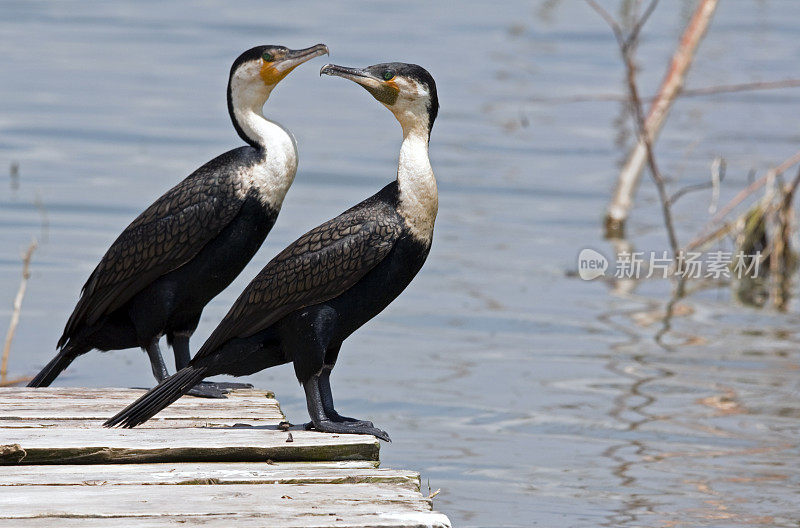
point(199, 462)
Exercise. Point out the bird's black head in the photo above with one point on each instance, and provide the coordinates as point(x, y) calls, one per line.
point(268, 65)
point(408, 90)
point(256, 72)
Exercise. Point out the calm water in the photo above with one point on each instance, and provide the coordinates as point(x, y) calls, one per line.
point(528, 396)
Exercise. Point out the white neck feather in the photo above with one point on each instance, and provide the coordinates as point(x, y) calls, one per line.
point(275, 174)
point(419, 197)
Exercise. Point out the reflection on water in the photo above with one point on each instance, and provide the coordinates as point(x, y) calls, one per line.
point(528, 396)
point(693, 417)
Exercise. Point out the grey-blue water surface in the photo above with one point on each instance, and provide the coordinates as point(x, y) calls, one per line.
point(529, 397)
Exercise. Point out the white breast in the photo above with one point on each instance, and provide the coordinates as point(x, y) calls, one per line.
point(419, 196)
point(272, 177)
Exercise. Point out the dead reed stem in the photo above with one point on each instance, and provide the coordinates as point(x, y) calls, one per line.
point(716, 227)
point(644, 132)
point(628, 180)
point(17, 308)
point(689, 92)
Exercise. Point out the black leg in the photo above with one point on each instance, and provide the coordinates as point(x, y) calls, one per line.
point(157, 360)
point(322, 422)
point(180, 347)
point(327, 400)
point(314, 401)
point(204, 389)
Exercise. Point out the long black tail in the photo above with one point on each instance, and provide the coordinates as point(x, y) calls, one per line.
point(51, 371)
point(157, 398)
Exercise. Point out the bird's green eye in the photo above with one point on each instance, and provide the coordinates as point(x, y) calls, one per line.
point(388, 75)
point(267, 56)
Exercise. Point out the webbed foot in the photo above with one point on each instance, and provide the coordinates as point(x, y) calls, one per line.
point(229, 386)
point(354, 427)
point(206, 389)
point(336, 417)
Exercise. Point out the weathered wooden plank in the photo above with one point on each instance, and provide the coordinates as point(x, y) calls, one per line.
point(383, 520)
point(284, 505)
point(253, 444)
point(352, 472)
point(62, 426)
point(88, 411)
point(100, 404)
point(112, 392)
point(172, 423)
point(168, 472)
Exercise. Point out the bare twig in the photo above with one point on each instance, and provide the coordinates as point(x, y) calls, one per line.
point(647, 129)
point(780, 254)
point(12, 326)
point(39, 204)
point(666, 323)
point(612, 23)
point(13, 173)
point(15, 381)
point(633, 37)
point(672, 84)
point(716, 225)
point(717, 175)
point(645, 138)
point(643, 128)
point(688, 92)
point(432, 494)
point(781, 258)
point(741, 87)
point(792, 187)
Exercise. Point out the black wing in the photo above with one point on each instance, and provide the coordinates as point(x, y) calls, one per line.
point(164, 237)
point(320, 265)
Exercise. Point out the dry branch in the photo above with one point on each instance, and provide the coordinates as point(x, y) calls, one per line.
point(17, 308)
point(629, 177)
point(716, 227)
point(15, 381)
point(650, 159)
point(626, 47)
point(689, 92)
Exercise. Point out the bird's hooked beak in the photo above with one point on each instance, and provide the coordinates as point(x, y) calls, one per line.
point(273, 72)
point(384, 91)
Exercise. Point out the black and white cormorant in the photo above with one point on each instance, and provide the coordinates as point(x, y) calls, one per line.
point(333, 279)
point(189, 245)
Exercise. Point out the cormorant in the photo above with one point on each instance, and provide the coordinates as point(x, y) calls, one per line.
point(189, 245)
point(324, 286)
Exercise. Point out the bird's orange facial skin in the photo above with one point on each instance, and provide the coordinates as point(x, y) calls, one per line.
point(390, 92)
point(271, 76)
point(393, 85)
